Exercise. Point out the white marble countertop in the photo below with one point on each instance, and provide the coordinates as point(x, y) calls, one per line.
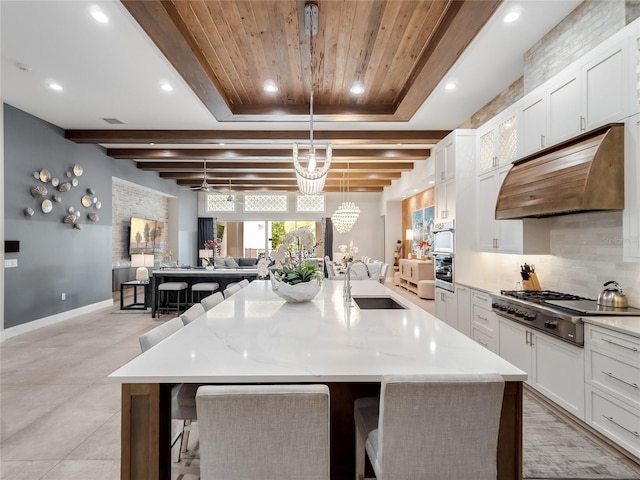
point(254, 336)
point(628, 325)
point(486, 287)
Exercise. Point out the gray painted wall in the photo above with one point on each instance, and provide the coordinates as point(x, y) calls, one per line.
point(54, 257)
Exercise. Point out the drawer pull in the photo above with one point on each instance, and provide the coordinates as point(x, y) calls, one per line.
point(483, 344)
point(609, 374)
point(621, 426)
point(633, 349)
point(483, 318)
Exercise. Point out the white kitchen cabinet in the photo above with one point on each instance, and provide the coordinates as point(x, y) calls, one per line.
point(533, 125)
point(558, 372)
point(554, 367)
point(446, 308)
point(445, 157)
point(590, 96)
point(498, 142)
point(631, 213)
point(564, 113)
point(632, 74)
point(484, 322)
point(463, 305)
point(514, 345)
point(612, 376)
point(445, 194)
point(529, 236)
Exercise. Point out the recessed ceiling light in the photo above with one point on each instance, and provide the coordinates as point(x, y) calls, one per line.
point(55, 86)
point(166, 87)
point(431, 182)
point(415, 190)
point(357, 88)
point(512, 16)
point(98, 15)
point(270, 86)
point(450, 86)
point(222, 144)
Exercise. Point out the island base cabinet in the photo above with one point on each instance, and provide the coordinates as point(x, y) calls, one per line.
point(514, 345)
point(614, 419)
point(146, 425)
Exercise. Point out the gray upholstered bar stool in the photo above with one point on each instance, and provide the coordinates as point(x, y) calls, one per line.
point(203, 287)
point(169, 287)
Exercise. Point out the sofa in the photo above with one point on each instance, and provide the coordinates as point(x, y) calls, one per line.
point(235, 262)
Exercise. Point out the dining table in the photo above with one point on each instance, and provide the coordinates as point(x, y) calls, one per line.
point(255, 337)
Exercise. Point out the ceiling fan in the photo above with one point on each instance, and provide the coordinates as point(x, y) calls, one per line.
point(204, 186)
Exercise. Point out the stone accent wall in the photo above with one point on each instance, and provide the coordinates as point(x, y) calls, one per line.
point(130, 201)
point(592, 22)
point(509, 96)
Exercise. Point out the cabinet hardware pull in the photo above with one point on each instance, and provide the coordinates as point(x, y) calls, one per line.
point(542, 140)
point(483, 318)
point(633, 349)
point(483, 344)
point(441, 175)
point(583, 123)
point(609, 374)
point(526, 338)
point(622, 427)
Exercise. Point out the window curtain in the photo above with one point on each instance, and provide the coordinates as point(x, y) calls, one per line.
point(206, 229)
point(328, 242)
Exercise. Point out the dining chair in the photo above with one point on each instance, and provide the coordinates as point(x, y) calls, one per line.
point(192, 313)
point(183, 403)
point(264, 432)
point(212, 300)
point(383, 273)
point(243, 283)
point(439, 427)
point(232, 290)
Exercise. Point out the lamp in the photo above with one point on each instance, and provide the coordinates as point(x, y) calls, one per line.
point(142, 261)
point(311, 178)
point(409, 234)
point(347, 213)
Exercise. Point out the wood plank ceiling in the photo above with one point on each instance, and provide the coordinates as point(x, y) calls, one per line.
point(227, 50)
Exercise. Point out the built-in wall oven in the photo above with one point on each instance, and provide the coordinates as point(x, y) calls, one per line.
point(444, 270)
point(443, 248)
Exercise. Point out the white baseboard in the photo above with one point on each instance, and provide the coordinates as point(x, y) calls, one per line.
point(53, 319)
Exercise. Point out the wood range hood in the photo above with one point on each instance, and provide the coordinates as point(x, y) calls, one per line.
point(583, 174)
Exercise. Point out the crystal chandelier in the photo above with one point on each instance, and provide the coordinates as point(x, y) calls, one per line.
point(346, 214)
point(312, 177)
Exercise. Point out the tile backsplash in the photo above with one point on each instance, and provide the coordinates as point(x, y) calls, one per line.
point(586, 251)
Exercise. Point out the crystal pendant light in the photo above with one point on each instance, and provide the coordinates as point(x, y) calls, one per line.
point(346, 214)
point(311, 178)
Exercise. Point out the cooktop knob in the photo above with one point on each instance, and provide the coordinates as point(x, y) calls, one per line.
point(519, 313)
point(551, 324)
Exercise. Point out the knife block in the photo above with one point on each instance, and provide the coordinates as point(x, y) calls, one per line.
point(532, 283)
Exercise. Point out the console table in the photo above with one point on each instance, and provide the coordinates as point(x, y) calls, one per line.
point(412, 271)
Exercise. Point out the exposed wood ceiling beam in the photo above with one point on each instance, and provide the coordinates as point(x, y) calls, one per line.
point(372, 168)
point(203, 137)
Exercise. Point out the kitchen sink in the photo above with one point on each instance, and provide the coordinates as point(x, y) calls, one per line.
point(377, 303)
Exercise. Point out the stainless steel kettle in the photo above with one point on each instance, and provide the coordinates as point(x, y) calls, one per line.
point(613, 296)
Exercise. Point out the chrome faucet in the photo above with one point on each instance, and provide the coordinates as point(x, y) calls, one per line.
point(346, 291)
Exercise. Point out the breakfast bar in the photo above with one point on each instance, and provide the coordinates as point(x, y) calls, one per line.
point(255, 337)
point(222, 276)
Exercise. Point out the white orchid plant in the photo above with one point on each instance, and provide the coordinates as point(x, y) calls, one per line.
point(348, 252)
point(291, 258)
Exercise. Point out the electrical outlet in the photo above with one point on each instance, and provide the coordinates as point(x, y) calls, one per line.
point(63, 296)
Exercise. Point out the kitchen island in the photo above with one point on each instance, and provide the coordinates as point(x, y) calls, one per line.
point(255, 337)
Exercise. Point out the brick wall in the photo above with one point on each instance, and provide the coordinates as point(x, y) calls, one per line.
point(131, 201)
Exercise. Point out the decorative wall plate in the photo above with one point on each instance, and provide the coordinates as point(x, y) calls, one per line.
point(74, 182)
point(38, 191)
point(86, 201)
point(55, 182)
point(57, 198)
point(71, 209)
point(64, 187)
point(77, 170)
point(68, 219)
point(47, 206)
point(98, 205)
point(28, 212)
point(78, 226)
point(91, 191)
point(36, 175)
point(45, 176)
point(93, 217)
